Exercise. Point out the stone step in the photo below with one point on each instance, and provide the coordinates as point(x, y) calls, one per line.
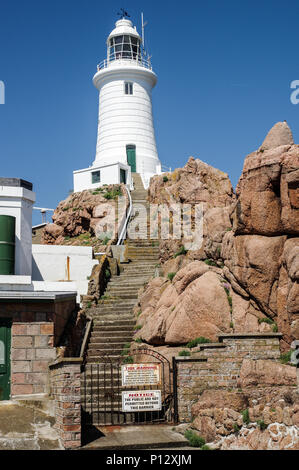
point(114, 329)
point(94, 344)
point(97, 337)
point(107, 323)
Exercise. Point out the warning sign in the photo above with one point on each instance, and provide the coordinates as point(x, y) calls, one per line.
point(140, 374)
point(146, 400)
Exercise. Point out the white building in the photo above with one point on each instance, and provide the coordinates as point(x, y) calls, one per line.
point(126, 139)
point(35, 268)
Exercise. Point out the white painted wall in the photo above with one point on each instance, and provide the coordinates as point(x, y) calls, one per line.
point(126, 119)
point(17, 202)
point(50, 262)
point(49, 268)
point(110, 174)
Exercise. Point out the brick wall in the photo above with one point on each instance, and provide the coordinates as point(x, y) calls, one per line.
point(35, 333)
point(66, 390)
point(218, 366)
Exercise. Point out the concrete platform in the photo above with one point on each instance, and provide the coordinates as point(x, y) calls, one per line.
point(134, 437)
point(24, 427)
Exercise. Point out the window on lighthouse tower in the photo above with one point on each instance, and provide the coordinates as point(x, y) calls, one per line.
point(124, 47)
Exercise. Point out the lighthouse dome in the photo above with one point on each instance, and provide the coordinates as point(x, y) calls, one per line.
point(124, 42)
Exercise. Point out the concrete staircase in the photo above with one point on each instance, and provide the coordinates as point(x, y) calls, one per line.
point(113, 318)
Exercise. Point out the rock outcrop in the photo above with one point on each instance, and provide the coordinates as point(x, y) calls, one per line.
point(86, 218)
point(249, 279)
point(196, 183)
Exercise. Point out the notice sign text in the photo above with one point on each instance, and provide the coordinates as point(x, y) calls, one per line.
point(141, 400)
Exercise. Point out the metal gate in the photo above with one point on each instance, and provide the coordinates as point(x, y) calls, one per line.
point(102, 391)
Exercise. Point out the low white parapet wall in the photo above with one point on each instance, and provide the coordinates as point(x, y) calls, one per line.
point(69, 267)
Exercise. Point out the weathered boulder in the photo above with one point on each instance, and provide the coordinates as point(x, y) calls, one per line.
point(196, 184)
point(87, 212)
point(194, 304)
point(265, 372)
point(254, 262)
point(268, 189)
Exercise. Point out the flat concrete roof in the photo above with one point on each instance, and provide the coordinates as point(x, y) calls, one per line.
point(39, 295)
point(16, 182)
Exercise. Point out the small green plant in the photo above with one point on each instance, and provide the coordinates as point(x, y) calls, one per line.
point(245, 416)
point(229, 229)
point(236, 427)
point(194, 439)
point(182, 251)
point(205, 447)
point(184, 353)
point(286, 357)
point(139, 313)
point(107, 274)
point(165, 179)
point(138, 340)
point(88, 305)
point(138, 327)
point(196, 341)
point(171, 276)
point(266, 320)
point(67, 238)
point(231, 325)
point(105, 240)
point(128, 360)
point(261, 424)
point(210, 262)
point(275, 328)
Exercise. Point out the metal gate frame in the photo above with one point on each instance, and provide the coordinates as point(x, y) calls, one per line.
point(101, 387)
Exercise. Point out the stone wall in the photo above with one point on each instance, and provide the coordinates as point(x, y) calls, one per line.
point(66, 390)
point(218, 365)
point(35, 333)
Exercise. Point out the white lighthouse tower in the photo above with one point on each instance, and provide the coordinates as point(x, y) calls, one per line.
point(126, 141)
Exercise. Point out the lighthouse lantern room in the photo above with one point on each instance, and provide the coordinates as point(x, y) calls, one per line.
point(126, 141)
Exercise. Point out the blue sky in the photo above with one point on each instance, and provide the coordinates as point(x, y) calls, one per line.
point(224, 72)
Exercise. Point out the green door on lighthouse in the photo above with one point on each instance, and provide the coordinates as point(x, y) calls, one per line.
point(5, 341)
point(131, 157)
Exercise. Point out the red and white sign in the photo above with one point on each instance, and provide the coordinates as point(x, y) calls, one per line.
point(141, 400)
point(140, 374)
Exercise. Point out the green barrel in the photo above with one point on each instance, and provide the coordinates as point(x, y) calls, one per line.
point(7, 244)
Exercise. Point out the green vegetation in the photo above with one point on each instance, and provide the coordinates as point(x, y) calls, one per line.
point(128, 360)
point(138, 340)
point(245, 415)
point(88, 305)
point(194, 439)
point(236, 427)
point(171, 276)
point(184, 353)
point(138, 327)
point(210, 262)
point(182, 251)
point(266, 320)
point(196, 341)
point(165, 179)
point(113, 194)
point(106, 240)
point(262, 425)
point(231, 325)
point(275, 328)
point(286, 357)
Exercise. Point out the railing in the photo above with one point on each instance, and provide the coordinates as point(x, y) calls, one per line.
point(123, 61)
point(124, 228)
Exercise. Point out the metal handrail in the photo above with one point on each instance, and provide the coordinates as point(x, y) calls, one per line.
point(121, 236)
point(139, 62)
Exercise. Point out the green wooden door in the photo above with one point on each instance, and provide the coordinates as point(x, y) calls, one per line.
point(131, 157)
point(5, 341)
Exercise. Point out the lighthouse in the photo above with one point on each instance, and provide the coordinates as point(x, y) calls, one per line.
point(126, 142)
